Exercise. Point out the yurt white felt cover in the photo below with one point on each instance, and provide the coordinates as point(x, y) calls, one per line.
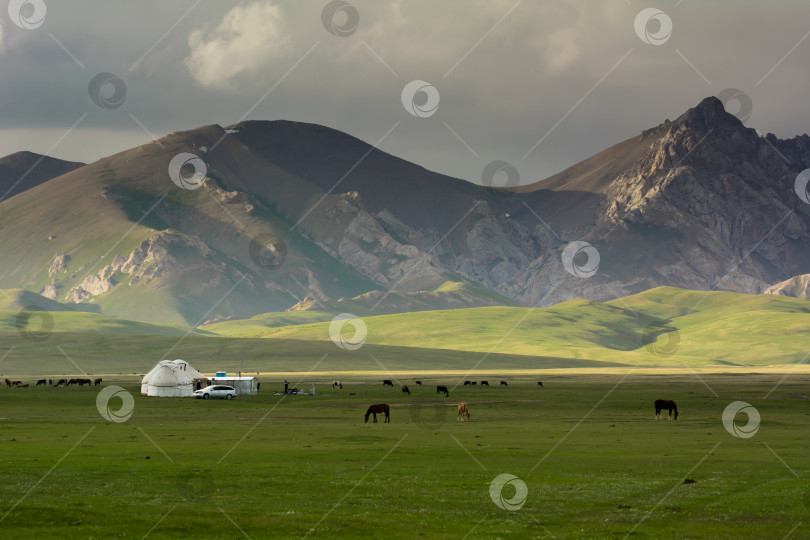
point(170, 378)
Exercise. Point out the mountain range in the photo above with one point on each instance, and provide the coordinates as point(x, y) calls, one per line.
point(287, 216)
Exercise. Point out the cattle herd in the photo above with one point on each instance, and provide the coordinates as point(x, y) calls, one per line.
point(60, 382)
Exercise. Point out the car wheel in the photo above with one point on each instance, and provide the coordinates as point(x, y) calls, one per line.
point(228, 396)
point(206, 396)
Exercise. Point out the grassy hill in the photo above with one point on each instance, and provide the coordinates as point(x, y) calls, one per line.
point(659, 327)
point(662, 326)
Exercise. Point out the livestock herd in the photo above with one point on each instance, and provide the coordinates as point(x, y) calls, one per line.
point(60, 382)
point(383, 408)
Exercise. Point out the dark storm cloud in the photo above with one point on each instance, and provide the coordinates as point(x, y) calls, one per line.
point(509, 74)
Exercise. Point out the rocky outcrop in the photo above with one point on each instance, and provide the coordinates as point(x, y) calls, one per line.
point(155, 258)
point(58, 264)
point(797, 287)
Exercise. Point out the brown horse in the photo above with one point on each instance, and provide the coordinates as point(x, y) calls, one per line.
point(667, 404)
point(463, 411)
point(378, 408)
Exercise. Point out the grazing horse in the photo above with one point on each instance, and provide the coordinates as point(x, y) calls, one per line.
point(42, 381)
point(406, 390)
point(473, 383)
point(73, 381)
point(463, 411)
point(503, 383)
point(381, 408)
point(97, 382)
point(667, 404)
point(466, 383)
point(337, 384)
point(61, 382)
point(8, 383)
point(17, 383)
point(386, 382)
point(540, 383)
point(484, 383)
point(440, 389)
point(419, 383)
point(50, 382)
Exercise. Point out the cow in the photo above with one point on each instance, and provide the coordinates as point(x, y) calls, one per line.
point(419, 383)
point(503, 383)
point(540, 383)
point(50, 382)
point(466, 383)
point(97, 382)
point(406, 390)
point(61, 382)
point(336, 385)
point(484, 383)
point(41, 382)
point(440, 389)
point(386, 382)
point(473, 383)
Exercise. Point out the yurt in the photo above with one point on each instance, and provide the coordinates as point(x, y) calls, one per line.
point(171, 378)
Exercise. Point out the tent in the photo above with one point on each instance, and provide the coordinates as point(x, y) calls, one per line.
point(171, 378)
point(244, 386)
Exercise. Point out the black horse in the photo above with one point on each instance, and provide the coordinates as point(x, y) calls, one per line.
point(484, 383)
point(667, 404)
point(440, 389)
point(406, 390)
point(387, 382)
point(378, 408)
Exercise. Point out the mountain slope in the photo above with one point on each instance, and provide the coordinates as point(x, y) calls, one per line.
point(293, 214)
point(23, 170)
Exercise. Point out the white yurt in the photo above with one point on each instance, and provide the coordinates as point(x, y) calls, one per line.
point(171, 378)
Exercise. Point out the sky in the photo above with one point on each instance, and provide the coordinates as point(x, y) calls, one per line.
point(451, 85)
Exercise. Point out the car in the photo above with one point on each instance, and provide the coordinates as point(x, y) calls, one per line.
point(216, 391)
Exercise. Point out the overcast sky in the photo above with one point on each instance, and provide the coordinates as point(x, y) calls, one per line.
point(539, 84)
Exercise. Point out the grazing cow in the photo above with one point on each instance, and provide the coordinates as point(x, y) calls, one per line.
point(503, 383)
point(463, 411)
point(386, 382)
point(466, 383)
point(667, 404)
point(406, 390)
point(42, 381)
point(419, 383)
point(473, 383)
point(484, 383)
point(440, 389)
point(97, 382)
point(540, 383)
point(381, 408)
point(337, 384)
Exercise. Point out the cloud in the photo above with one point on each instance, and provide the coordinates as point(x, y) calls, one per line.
point(243, 42)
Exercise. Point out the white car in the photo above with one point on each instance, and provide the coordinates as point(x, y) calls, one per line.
point(217, 391)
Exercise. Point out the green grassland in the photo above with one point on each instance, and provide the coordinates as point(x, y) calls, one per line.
point(594, 461)
point(663, 326)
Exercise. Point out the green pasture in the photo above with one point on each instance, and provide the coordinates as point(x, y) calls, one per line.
point(594, 461)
